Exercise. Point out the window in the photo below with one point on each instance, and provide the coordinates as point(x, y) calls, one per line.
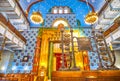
point(60, 11)
point(65, 11)
point(55, 11)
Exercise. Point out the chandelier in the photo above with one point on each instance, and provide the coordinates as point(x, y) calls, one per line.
point(36, 18)
point(91, 18)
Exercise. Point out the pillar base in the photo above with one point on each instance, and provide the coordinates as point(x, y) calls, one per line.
point(108, 68)
point(74, 69)
point(63, 69)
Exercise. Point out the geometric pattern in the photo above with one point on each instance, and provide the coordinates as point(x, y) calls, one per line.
point(94, 62)
point(17, 65)
point(71, 18)
point(93, 55)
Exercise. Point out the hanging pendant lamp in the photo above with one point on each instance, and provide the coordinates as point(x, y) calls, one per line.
point(36, 18)
point(92, 16)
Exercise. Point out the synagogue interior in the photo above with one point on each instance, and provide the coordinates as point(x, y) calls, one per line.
point(59, 40)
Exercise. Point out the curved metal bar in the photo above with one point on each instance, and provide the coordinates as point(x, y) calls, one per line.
point(108, 51)
point(70, 61)
point(114, 59)
point(28, 9)
point(109, 54)
point(100, 61)
point(74, 61)
point(93, 10)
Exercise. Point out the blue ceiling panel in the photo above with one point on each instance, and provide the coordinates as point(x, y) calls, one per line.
point(79, 8)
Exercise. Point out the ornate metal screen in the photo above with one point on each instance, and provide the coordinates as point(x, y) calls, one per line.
point(84, 43)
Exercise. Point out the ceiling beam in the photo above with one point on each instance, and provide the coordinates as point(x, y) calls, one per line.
point(111, 29)
point(104, 6)
point(22, 10)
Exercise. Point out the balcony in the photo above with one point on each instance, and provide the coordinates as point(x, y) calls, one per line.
point(14, 40)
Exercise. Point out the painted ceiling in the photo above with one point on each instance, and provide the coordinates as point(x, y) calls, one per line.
point(79, 8)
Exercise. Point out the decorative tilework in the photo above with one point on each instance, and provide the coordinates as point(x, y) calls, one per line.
point(69, 17)
point(24, 67)
point(30, 35)
point(93, 55)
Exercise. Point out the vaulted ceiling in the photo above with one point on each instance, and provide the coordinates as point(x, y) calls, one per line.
point(79, 7)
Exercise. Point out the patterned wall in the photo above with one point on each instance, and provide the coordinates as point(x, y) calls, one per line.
point(51, 17)
point(93, 55)
point(17, 65)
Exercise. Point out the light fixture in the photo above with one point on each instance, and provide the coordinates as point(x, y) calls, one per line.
point(3, 68)
point(14, 68)
point(91, 77)
point(91, 18)
point(26, 68)
point(36, 18)
point(42, 71)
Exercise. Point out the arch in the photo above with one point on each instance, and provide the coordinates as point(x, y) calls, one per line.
point(59, 21)
point(67, 10)
point(28, 9)
point(61, 10)
point(93, 10)
point(55, 10)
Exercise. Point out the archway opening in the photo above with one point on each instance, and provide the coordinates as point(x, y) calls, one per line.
point(60, 22)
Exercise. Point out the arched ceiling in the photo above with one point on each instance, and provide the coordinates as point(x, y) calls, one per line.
point(79, 8)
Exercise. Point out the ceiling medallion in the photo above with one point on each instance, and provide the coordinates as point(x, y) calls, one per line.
point(91, 18)
point(36, 18)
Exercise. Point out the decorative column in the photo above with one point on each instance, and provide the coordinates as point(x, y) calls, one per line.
point(62, 43)
point(36, 59)
point(50, 61)
point(86, 60)
point(36, 56)
point(73, 54)
point(43, 61)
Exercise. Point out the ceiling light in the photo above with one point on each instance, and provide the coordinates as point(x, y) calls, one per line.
point(26, 68)
point(14, 68)
point(91, 18)
point(36, 18)
point(2, 68)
